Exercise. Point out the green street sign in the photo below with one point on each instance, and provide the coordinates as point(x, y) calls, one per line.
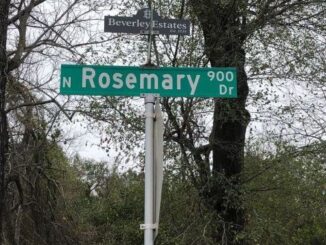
point(136, 81)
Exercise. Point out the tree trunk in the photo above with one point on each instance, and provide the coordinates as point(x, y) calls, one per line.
point(224, 39)
point(4, 10)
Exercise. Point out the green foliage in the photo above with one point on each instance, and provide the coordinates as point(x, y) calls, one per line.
point(108, 207)
point(285, 196)
point(112, 212)
point(183, 218)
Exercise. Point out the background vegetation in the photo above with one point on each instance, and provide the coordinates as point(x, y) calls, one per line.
point(244, 171)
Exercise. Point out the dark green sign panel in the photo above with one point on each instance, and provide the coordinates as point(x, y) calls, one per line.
point(135, 81)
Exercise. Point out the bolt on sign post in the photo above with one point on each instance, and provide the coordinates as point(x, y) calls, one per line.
point(149, 82)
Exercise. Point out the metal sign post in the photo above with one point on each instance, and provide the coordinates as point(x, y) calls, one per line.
point(149, 225)
point(153, 167)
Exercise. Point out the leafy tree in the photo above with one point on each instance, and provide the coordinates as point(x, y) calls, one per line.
point(29, 108)
point(226, 28)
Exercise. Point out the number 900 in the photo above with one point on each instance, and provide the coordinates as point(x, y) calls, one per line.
point(221, 76)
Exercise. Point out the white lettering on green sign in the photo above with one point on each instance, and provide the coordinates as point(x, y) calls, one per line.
point(145, 81)
point(133, 81)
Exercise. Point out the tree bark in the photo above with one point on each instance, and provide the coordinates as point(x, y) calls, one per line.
point(4, 11)
point(222, 26)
